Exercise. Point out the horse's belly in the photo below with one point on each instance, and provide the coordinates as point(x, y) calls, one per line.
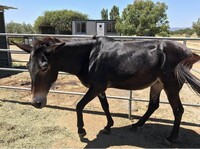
point(134, 83)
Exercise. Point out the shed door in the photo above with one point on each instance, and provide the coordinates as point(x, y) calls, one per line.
point(100, 29)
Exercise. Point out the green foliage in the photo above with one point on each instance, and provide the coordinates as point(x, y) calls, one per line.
point(196, 26)
point(114, 13)
point(60, 19)
point(144, 18)
point(13, 27)
point(104, 14)
point(187, 31)
point(40, 21)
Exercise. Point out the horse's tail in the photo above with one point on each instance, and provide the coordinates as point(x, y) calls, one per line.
point(183, 74)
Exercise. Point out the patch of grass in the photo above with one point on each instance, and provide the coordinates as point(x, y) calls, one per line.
point(22, 126)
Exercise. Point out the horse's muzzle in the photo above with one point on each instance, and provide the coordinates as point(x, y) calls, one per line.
point(39, 102)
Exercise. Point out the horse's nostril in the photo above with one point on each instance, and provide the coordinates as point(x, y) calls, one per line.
point(37, 104)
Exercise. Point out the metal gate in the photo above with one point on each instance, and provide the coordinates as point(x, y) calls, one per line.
point(129, 97)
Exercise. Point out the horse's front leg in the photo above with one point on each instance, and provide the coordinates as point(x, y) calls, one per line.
point(105, 106)
point(91, 94)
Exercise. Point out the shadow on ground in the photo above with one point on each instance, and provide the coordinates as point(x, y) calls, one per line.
point(150, 136)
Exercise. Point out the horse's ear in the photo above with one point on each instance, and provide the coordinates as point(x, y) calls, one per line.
point(55, 47)
point(27, 48)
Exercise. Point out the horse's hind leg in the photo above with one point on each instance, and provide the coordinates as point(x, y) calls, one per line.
point(105, 106)
point(172, 92)
point(153, 103)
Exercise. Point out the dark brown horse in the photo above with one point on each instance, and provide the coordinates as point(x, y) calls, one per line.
point(102, 63)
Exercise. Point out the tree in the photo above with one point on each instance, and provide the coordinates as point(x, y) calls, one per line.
point(114, 13)
point(13, 27)
point(104, 14)
point(28, 28)
point(60, 19)
point(196, 26)
point(144, 18)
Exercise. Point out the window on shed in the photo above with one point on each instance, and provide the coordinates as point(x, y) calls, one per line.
point(111, 27)
point(80, 27)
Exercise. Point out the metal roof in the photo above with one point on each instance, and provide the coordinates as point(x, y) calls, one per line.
point(3, 7)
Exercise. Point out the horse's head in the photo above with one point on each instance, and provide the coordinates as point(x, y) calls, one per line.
point(42, 67)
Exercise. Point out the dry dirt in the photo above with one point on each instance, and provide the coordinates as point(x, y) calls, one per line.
point(23, 126)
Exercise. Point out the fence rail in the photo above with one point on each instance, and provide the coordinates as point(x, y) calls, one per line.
point(129, 97)
point(90, 36)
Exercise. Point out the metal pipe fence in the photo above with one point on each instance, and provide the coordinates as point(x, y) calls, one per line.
point(130, 95)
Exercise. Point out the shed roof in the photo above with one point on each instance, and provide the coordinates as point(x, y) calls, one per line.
point(3, 7)
point(94, 20)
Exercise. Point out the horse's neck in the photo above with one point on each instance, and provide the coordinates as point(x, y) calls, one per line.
point(72, 58)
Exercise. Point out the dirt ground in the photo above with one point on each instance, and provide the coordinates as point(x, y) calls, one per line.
point(23, 126)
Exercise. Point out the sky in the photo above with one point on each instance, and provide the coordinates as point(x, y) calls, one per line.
point(181, 13)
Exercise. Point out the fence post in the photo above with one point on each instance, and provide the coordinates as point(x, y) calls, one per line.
point(5, 57)
point(185, 42)
point(130, 104)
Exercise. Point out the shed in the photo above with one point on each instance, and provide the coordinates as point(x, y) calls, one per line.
point(94, 27)
point(5, 57)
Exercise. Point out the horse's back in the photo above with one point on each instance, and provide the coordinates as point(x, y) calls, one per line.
point(126, 64)
point(136, 62)
point(130, 57)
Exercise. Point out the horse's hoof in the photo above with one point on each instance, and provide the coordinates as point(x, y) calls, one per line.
point(106, 131)
point(81, 135)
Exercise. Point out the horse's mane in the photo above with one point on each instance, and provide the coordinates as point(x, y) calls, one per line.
point(45, 41)
point(48, 40)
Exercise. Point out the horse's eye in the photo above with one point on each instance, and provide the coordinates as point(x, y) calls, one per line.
point(44, 63)
point(44, 66)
